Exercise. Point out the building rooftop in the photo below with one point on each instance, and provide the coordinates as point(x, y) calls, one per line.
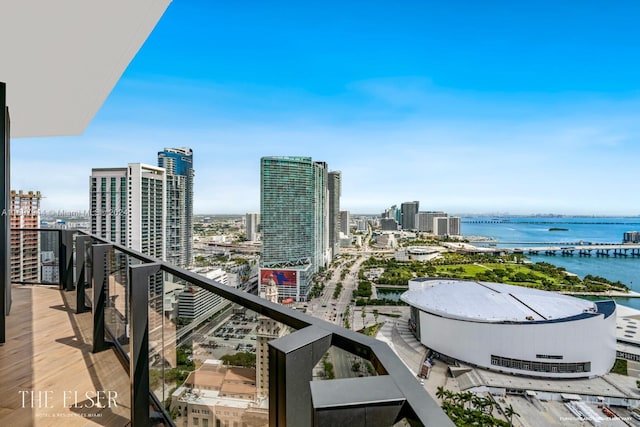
point(215, 384)
point(239, 374)
point(229, 389)
point(492, 302)
point(209, 398)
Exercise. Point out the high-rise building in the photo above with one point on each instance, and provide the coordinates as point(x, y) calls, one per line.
point(252, 222)
point(424, 220)
point(441, 226)
point(109, 195)
point(147, 210)
point(178, 164)
point(444, 225)
point(128, 208)
point(293, 222)
point(362, 224)
point(334, 187)
point(25, 214)
point(321, 214)
point(393, 213)
point(454, 226)
point(409, 211)
point(345, 220)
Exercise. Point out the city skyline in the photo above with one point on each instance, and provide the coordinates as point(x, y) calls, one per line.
point(521, 108)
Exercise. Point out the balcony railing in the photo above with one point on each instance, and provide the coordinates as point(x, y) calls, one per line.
point(172, 328)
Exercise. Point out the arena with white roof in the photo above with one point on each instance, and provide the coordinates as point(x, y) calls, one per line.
point(513, 329)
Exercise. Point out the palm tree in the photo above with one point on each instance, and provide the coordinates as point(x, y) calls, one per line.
point(478, 403)
point(440, 392)
point(448, 395)
point(509, 412)
point(489, 403)
point(364, 314)
point(465, 398)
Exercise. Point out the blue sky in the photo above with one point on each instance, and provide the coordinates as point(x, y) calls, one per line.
point(466, 106)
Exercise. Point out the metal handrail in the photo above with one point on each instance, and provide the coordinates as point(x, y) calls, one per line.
point(419, 408)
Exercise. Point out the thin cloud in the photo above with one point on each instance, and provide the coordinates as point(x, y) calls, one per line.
point(562, 162)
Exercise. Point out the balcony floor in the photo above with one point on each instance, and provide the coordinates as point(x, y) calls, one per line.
point(48, 353)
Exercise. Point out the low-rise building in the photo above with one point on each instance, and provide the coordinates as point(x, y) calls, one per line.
point(195, 302)
point(389, 224)
point(217, 395)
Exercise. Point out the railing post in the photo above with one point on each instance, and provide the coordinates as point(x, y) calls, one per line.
point(139, 328)
point(66, 255)
point(291, 362)
point(100, 275)
point(81, 270)
point(5, 206)
point(61, 259)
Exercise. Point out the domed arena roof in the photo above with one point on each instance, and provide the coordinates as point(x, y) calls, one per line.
point(492, 302)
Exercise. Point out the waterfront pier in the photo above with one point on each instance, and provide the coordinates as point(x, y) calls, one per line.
point(583, 250)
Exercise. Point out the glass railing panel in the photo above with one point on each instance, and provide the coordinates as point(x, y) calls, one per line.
point(49, 256)
point(35, 256)
point(117, 311)
point(209, 360)
point(338, 363)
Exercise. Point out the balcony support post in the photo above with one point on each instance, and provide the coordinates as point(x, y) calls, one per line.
point(61, 259)
point(81, 270)
point(139, 326)
point(100, 277)
point(291, 361)
point(5, 205)
point(66, 255)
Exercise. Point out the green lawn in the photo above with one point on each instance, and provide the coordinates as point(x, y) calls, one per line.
point(515, 274)
point(540, 275)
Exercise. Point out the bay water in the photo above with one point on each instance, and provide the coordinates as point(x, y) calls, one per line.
point(524, 232)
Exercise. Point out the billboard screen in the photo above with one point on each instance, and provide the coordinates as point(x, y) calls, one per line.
point(279, 277)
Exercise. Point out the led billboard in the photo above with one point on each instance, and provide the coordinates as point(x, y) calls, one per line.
point(279, 277)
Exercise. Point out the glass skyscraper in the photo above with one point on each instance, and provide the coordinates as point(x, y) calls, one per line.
point(409, 211)
point(334, 186)
point(178, 163)
point(293, 222)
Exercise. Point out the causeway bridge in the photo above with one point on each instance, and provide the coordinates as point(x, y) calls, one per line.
point(599, 249)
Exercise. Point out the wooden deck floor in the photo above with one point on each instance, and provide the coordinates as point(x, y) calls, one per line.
point(48, 355)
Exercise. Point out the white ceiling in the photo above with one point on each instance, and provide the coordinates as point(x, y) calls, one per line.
point(60, 59)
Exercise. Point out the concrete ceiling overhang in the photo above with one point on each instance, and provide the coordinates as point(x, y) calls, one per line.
point(60, 59)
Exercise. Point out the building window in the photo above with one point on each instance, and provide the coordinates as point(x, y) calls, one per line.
point(536, 366)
